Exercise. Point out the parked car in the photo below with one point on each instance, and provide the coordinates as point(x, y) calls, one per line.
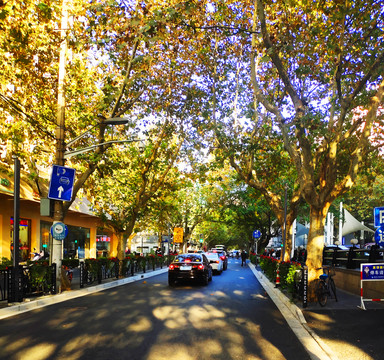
point(215, 261)
point(190, 251)
point(190, 267)
point(235, 254)
point(368, 247)
point(223, 256)
point(335, 247)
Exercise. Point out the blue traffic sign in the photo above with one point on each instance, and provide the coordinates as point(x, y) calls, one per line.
point(61, 184)
point(378, 215)
point(59, 231)
point(256, 234)
point(379, 236)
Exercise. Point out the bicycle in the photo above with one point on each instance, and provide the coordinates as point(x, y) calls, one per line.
point(326, 285)
point(89, 276)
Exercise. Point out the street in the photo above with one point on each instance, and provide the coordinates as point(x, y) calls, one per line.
point(231, 318)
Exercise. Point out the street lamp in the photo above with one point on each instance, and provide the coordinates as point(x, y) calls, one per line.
point(110, 121)
point(62, 154)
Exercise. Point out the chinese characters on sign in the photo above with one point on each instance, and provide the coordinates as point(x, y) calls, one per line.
point(178, 235)
point(372, 272)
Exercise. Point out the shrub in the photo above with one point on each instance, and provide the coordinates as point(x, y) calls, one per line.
point(71, 263)
point(5, 263)
point(286, 271)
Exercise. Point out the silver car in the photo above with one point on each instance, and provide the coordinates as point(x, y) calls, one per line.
point(215, 261)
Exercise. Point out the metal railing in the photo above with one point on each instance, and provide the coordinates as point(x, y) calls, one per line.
point(4, 276)
point(29, 281)
point(124, 268)
point(352, 258)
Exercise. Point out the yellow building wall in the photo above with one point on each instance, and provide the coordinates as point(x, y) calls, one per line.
point(31, 211)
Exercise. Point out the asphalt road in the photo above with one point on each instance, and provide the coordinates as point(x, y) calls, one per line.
point(231, 318)
point(351, 333)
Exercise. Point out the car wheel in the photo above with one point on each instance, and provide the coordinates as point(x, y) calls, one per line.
point(171, 282)
point(206, 280)
point(210, 276)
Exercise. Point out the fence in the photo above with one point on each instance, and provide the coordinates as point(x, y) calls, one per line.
point(39, 279)
point(31, 280)
point(95, 271)
point(4, 275)
point(353, 257)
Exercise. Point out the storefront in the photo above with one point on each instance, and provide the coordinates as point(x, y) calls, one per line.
point(103, 244)
point(24, 239)
point(84, 240)
point(77, 242)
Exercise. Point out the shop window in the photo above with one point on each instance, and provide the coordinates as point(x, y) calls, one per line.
point(76, 242)
point(45, 235)
point(24, 238)
point(103, 243)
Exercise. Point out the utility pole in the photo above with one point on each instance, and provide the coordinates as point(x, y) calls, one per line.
point(56, 247)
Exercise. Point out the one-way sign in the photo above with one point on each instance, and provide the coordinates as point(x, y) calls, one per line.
point(61, 185)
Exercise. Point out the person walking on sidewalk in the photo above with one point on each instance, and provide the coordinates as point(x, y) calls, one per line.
point(243, 257)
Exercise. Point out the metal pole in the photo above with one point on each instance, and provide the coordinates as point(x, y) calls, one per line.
point(18, 296)
point(285, 225)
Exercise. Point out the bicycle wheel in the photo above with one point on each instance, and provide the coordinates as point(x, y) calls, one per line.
point(332, 286)
point(322, 293)
point(90, 278)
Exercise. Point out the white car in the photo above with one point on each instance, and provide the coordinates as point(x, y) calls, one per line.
point(215, 261)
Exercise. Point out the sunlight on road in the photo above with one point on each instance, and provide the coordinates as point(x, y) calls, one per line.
point(226, 339)
point(350, 351)
point(141, 325)
point(41, 351)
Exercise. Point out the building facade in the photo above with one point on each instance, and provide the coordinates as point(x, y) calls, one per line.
point(86, 236)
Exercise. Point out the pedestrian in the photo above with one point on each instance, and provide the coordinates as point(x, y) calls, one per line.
point(243, 258)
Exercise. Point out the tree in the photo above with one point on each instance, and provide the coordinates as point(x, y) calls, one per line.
point(128, 182)
point(330, 52)
point(319, 83)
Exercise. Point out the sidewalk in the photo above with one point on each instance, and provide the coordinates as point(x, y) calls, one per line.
point(42, 301)
point(340, 330)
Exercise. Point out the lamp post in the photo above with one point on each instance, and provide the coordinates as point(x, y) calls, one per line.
point(16, 295)
point(62, 154)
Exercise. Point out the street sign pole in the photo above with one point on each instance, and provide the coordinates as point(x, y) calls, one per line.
point(16, 294)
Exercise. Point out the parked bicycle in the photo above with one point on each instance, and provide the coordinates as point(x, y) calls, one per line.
point(89, 276)
point(326, 285)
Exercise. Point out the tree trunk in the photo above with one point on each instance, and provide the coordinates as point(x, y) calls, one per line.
point(288, 240)
point(315, 248)
point(120, 246)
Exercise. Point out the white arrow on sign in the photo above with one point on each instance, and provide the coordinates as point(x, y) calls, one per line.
point(60, 190)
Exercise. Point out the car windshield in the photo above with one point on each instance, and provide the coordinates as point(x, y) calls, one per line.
point(188, 258)
point(212, 255)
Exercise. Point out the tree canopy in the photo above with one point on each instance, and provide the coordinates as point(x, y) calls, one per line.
point(290, 93)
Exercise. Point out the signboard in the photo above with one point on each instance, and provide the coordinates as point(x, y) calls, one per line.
point(61, 184)
point(178, 235)
point(378, 215)
point(59, 231)
point(372, 271)
point(379, 236)
point(256, 234)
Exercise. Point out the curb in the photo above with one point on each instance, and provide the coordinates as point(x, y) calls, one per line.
point(315, 347)
point(23, 307)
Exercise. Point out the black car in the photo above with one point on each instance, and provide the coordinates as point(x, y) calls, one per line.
point(190, 267)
